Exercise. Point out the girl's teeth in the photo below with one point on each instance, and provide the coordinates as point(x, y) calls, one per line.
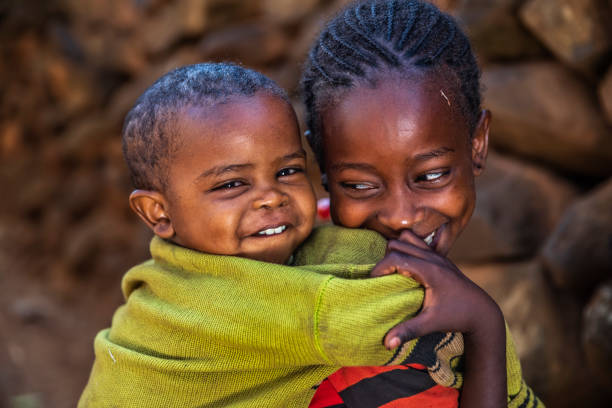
point(429, 239)
point(273, 231)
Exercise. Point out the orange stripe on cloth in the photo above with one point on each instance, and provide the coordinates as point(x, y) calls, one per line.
point(347, 376)
point(435, 397)
point(326, 396)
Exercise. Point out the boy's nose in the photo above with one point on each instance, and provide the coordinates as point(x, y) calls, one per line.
point(270, 198)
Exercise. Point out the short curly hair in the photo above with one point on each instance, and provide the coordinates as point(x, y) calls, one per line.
point(149, 135)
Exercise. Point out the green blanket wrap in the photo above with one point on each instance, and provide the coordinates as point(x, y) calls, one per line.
point(201, 330)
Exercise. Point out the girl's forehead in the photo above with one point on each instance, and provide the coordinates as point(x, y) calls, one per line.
point(426, 101)
point(398, 117)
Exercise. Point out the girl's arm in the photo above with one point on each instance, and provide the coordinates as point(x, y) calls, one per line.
point(452, 303)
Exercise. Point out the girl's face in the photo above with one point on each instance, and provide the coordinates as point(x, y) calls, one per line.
point(399, 156)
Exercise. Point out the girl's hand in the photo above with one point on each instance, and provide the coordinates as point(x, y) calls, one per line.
point(452, 301)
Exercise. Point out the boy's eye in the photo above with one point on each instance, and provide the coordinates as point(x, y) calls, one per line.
point(289, 171)
point(229, 185)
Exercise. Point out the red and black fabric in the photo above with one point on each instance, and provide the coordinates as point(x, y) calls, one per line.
point(388, 387)
point(408, 385)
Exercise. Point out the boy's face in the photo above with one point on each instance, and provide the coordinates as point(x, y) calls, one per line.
point(237, 184)
point(399, 157)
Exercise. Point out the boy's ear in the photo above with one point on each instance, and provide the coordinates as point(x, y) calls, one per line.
point(151, 207)
point(480, 143)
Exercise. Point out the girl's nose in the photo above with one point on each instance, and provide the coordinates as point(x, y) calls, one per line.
point(270, 198)
point(399, 212)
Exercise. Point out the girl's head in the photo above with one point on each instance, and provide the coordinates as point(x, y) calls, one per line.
point(393, 100)
point(215, 155)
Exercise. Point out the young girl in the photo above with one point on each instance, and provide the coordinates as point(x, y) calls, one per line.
point(393, 98)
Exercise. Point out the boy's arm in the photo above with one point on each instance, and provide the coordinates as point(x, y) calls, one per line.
point(452, 303)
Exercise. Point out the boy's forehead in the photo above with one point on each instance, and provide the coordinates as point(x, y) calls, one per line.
point(232, 109)
point(262, 113)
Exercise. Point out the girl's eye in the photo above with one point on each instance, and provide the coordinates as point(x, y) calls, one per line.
point(432, 177)
point(358, 186)
point(289, 171)
point(229, 185)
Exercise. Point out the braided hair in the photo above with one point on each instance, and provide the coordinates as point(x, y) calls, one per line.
point(374, 37)
point(149, 132)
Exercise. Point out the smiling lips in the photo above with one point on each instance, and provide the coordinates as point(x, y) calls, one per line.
point(429, 239)
point(272, 231)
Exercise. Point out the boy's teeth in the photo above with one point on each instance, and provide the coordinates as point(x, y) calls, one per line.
point(273, 231)
point(429, 239)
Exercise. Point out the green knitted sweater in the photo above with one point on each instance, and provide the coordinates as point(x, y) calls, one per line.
point(216, 331)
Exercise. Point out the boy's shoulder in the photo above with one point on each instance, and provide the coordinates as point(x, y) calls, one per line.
point(330, 244)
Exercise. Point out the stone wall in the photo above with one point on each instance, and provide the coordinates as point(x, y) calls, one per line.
point(541, 237)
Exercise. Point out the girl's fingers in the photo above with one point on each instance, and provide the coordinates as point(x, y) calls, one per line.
point(418, 326)
point(410, 266)
point(410, 249)
point(390, 264)
point(410, 237)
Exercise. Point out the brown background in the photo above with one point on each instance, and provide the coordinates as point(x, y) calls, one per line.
point(540, 241)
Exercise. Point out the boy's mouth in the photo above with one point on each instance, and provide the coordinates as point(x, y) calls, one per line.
point(272, 231)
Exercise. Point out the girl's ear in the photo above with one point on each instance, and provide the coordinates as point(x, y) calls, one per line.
point(480, 143)
point(151, 207)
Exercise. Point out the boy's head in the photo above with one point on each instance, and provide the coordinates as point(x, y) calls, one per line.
point(393, 100)
point(215, 155)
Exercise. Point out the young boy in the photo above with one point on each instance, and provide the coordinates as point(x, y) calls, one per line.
point(217, 318)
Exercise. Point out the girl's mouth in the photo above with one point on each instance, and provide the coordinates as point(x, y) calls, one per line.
point(434, 237)
point(429, 239)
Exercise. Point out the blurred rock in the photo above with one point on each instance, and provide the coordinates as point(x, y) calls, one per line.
point(11, 138)
point(99, 244)
point(122, 15)
point(33, 309)
point(80, 194)
point(252, 45)
point(543, 333)
point(288, 11)
point(576, 31)
point(597, 335)
point(445, 5)
point(186, 18)
point(111, 50)
point(84, 139)
point(541, 111)
point(495, 30)
point(37, 194)
point(72, 89)
point(122, 100)
point(605, 95)
point(578, 254)
point(500, 230)
point(230, 12)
